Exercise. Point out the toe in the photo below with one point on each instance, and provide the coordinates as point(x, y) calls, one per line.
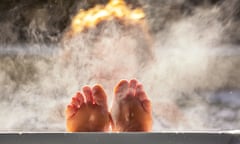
point(99, 96)
point(77, 100)
point(70, 111)
point(142, 96)
point(132, 86)
point(88, 94)
point(140, 93)
point(80, 98)
point(121, 89)
point(75, 104)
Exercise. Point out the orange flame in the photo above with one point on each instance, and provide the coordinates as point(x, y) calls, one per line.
point(114, 9)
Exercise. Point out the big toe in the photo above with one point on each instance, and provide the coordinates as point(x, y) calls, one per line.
point(99, 95)
point(121, 89)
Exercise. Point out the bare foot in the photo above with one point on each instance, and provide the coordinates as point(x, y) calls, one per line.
point(131, 108)
point(88, 111)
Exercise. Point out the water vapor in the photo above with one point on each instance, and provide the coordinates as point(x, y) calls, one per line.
point(184, 66)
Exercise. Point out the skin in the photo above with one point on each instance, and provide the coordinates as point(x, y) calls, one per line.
point(131, 108)
point(88, 111)
point(130, 111)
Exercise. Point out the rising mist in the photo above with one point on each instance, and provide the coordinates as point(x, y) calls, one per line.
point(185, 56)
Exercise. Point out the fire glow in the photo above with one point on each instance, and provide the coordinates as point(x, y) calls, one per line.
point(115, 9)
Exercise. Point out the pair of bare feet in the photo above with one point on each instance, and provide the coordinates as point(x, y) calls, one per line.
point(130, 111)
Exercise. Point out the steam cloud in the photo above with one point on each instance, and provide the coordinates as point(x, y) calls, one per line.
point(182, 67)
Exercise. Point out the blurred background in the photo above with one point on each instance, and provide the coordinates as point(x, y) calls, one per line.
point(185, 52)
